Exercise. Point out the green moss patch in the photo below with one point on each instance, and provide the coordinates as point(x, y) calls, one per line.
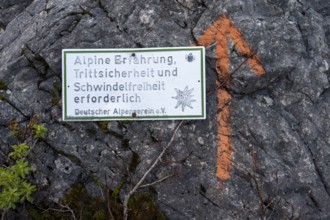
point(3, 86)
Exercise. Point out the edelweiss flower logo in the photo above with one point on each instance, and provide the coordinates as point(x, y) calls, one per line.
point(184, 98)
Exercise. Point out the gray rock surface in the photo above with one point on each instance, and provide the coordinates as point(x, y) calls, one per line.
point(284, 115)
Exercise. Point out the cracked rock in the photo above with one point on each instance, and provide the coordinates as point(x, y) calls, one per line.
point(279, 122)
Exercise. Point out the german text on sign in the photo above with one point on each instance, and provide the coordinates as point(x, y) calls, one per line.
point(134, 84)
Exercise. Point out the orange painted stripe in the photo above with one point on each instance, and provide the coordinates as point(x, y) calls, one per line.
point(220, 31)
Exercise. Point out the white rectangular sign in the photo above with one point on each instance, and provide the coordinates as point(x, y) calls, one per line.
point(133, 84)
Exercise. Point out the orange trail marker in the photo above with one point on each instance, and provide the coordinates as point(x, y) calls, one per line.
point(220, 31)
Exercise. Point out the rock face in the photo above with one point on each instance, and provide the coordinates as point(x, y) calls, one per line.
point(280, 121)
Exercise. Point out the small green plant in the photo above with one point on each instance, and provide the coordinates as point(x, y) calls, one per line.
point(19, 151)
point(39, 131)
point(14, 187)
point(13, 184)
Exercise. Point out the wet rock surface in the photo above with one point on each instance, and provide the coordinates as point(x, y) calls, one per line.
point(280, 121)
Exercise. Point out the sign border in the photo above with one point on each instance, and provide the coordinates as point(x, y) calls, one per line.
point(65, 117)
